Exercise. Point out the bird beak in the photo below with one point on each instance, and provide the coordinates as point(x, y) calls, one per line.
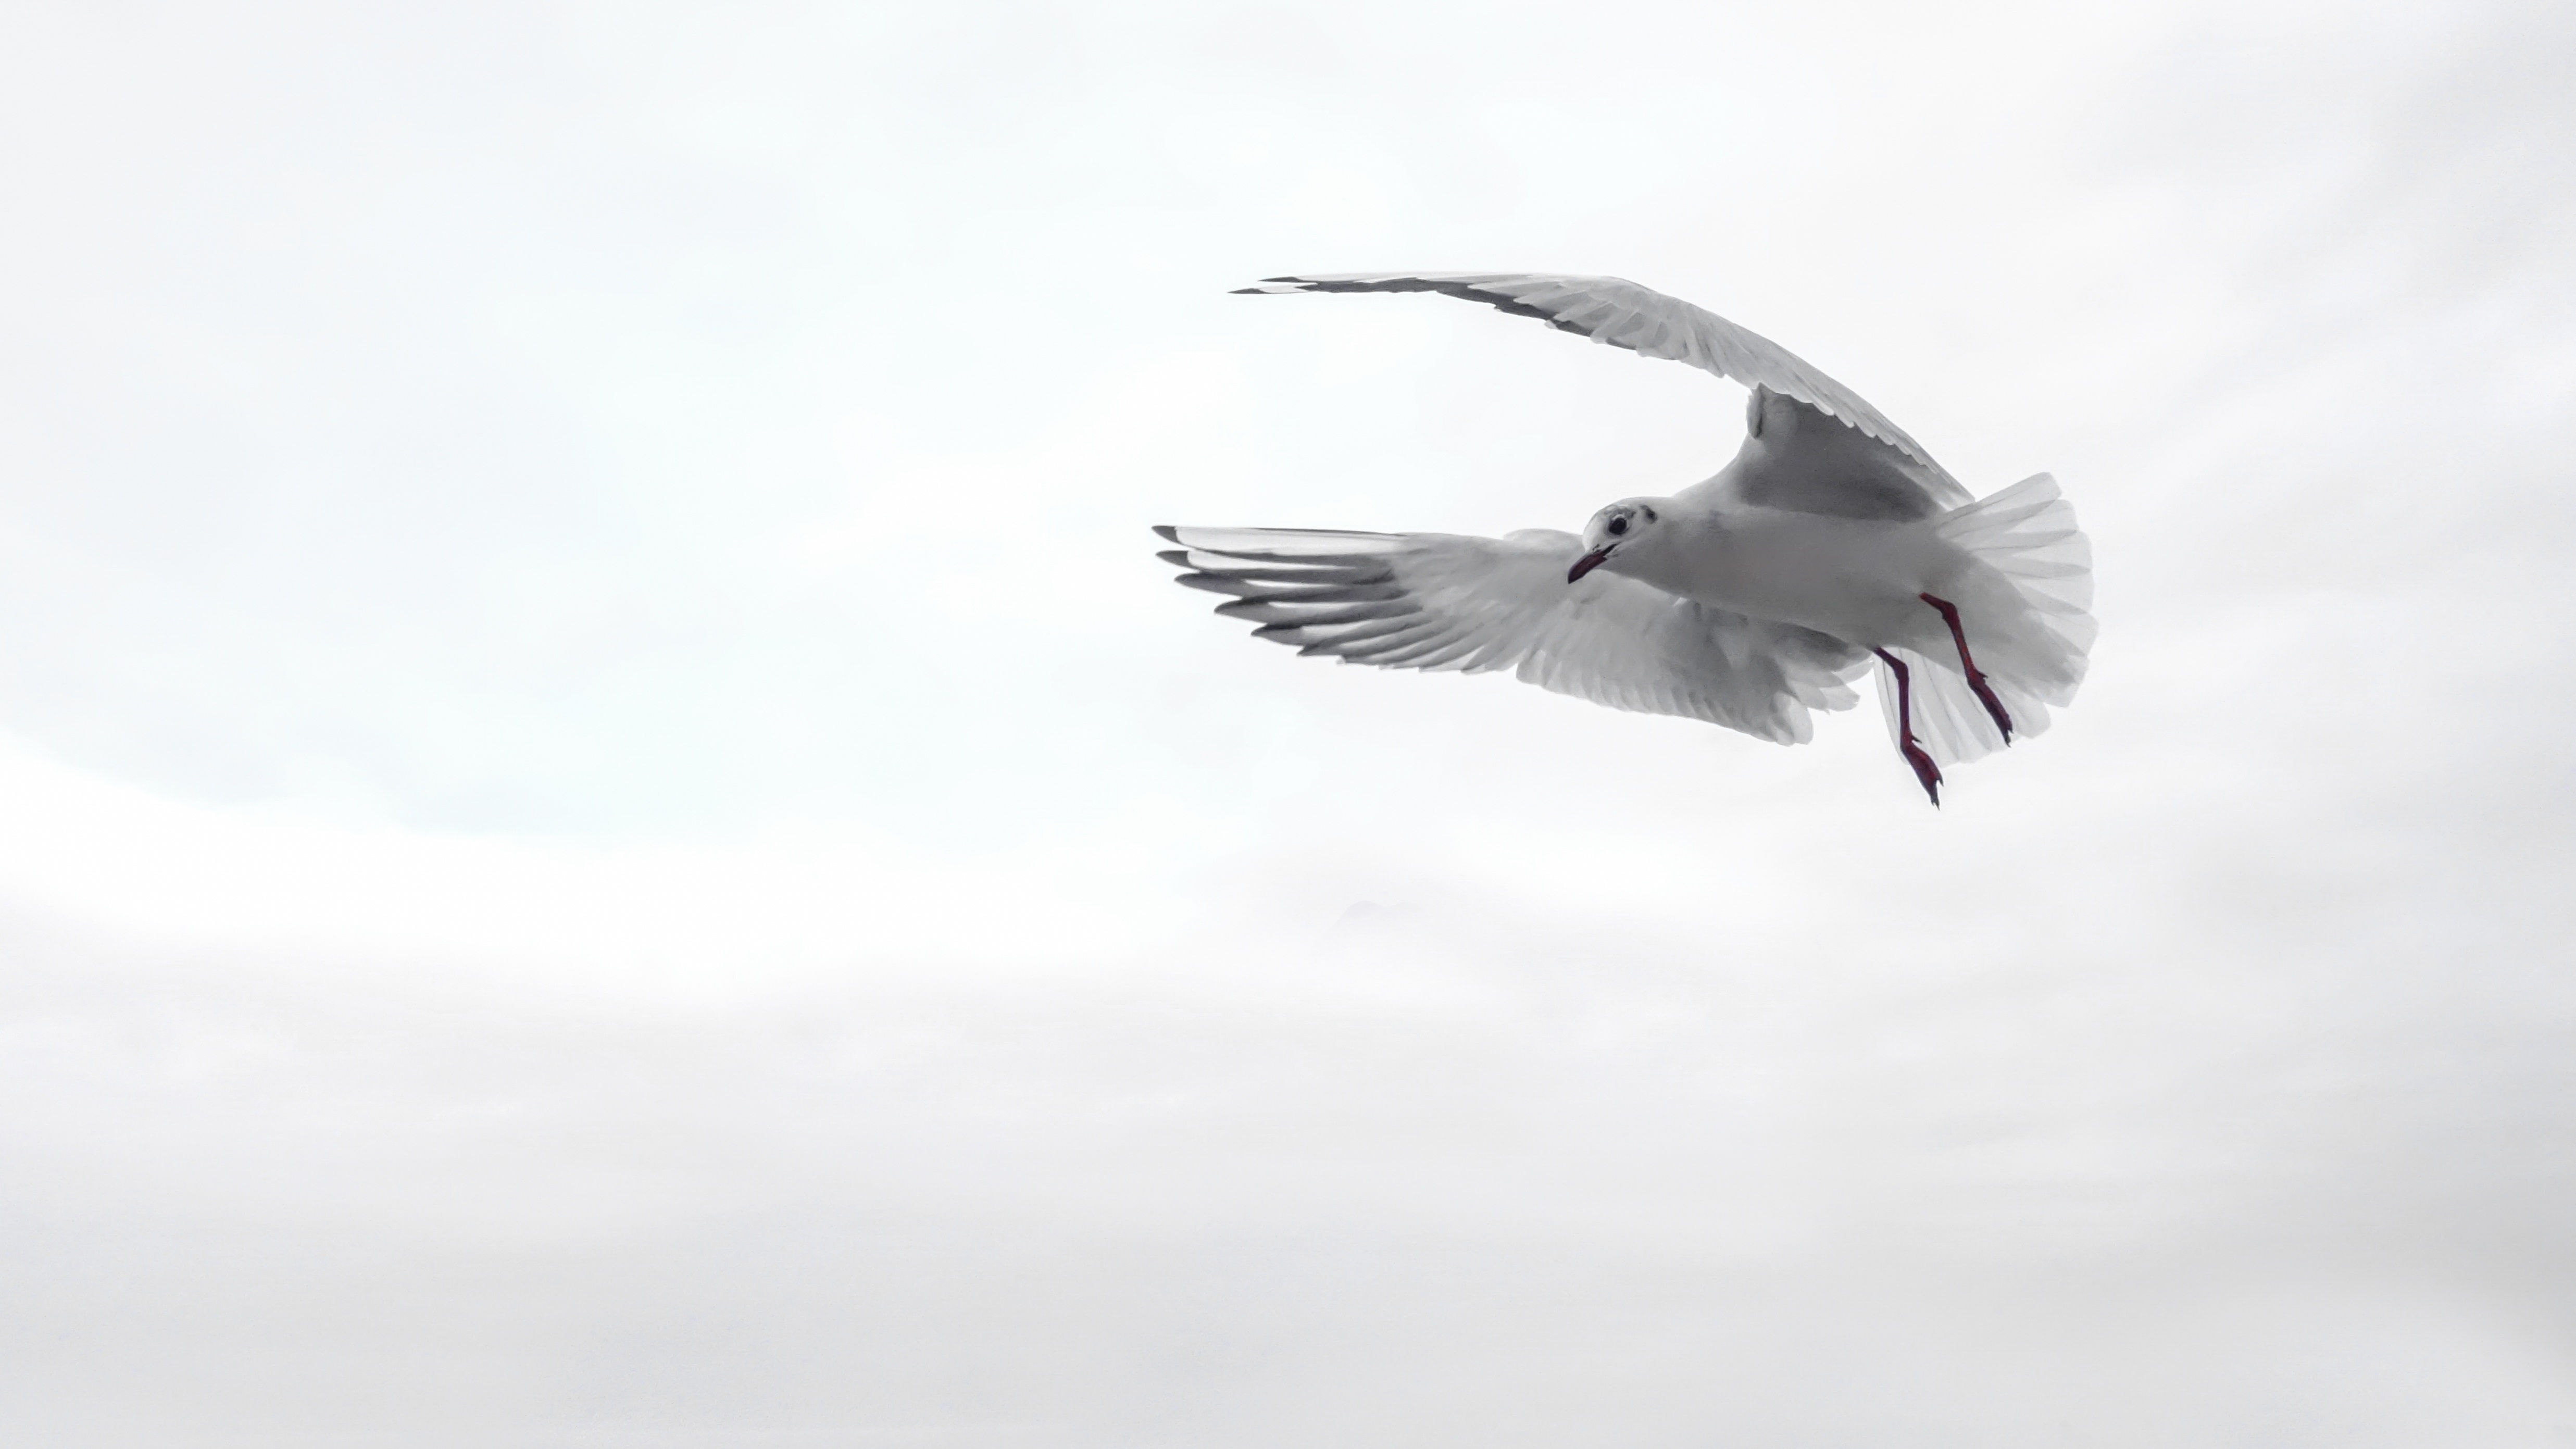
point(1588, 562)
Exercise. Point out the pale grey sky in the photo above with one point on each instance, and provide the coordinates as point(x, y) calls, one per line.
point(610, 835)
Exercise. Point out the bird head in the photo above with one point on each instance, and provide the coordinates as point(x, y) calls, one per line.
point(1615, 529)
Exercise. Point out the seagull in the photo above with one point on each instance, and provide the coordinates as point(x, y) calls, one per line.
point(1831, 543)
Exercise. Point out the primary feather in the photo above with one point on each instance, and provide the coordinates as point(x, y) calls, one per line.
point(1449, 601)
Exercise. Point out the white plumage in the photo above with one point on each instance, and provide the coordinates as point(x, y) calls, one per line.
point(1746, 600)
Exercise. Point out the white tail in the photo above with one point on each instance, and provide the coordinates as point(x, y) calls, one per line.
point(2029, 622)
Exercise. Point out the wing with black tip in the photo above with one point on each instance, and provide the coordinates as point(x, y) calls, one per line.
point(1644, 321)
point(1448, 601)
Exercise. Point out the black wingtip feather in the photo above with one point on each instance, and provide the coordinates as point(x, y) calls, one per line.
point(1171, 532)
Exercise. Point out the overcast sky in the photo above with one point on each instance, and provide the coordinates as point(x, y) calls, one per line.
point(610, 834)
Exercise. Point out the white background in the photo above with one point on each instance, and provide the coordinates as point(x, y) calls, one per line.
point(610, 834)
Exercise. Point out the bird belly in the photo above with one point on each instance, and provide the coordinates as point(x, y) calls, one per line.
point(1858, 581)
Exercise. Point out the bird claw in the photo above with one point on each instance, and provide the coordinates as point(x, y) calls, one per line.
point(1925, 771)
point(1976, 677)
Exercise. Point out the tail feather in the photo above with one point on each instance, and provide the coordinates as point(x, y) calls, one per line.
point(2030, 623)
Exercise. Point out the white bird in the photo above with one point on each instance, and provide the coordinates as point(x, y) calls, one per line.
point(1745, 600)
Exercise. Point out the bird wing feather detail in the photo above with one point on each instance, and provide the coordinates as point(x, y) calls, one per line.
point(1449, 601)
point(1621, 313)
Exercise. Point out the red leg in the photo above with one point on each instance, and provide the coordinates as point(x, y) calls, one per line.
point(1906, 745)
point(1976, 679)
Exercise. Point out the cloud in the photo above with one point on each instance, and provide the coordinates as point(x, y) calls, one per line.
point(614, 838)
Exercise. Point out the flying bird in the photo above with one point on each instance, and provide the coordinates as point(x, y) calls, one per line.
point(1830, 543)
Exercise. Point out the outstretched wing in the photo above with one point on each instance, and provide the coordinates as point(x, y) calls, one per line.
point(1645, 321)
point(1447, 601)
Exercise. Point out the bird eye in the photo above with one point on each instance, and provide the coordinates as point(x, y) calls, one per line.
point(1618, 526)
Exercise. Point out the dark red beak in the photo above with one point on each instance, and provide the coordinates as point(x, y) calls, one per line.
point(1587, 563)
